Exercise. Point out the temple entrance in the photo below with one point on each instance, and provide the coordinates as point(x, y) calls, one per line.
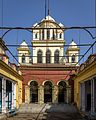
point(33, 92)
point(47, 92)
point(61, 92)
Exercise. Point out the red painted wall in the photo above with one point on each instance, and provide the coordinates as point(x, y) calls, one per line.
point(55, 75)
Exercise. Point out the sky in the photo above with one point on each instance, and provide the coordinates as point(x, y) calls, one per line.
point(25, 13)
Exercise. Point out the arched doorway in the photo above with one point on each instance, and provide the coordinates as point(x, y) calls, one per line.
point(61, 92)
point(33, 92)
point(47, 92)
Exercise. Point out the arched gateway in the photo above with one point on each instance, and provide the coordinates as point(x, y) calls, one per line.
point(33, 92)
point(47, 92)
point(61, 92)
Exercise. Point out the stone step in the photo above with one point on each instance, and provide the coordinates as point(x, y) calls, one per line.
point(48, 116)
point(36, 108)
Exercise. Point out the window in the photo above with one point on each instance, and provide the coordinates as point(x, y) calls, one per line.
point(43, 34)
point(73, 58)
point(36, 35)
point(23, 58)
point(48, 56)
point(56, 56)
point(39, 56)
point(53, 35)
point(48, 34)
point(60, 36)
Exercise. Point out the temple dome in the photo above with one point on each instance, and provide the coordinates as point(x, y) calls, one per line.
point(72, 44)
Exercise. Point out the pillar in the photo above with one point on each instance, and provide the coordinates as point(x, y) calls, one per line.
point(52, 56)
point(44, 55)
point(61, 53)
point(45, 34)
point(51, 34)
point(41, 94)
point(83, 96)
point(68, 94)
point(13, 95)
point(3, 95)
point(55, 94)
point(27, 94)
point(92, 96)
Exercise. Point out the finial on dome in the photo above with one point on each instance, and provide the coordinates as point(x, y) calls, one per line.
point(72, 40)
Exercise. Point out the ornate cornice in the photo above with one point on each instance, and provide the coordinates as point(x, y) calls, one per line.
point(48, 41)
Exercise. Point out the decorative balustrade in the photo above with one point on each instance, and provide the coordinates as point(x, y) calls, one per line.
point(89, 61)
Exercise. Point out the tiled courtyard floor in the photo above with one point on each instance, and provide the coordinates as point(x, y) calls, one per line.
point(47, 112)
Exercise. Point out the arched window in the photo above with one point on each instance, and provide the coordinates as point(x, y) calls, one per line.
point(48, 34)
point(23, 58)
point(56, 56)
point(73, 59)
point(36, 35)
point(39, 56)
point(47, 92)
point(48, 56)
point(61, 92)
point(53, 34)
point(33, 92)
point(60, 36)
point(43, 34)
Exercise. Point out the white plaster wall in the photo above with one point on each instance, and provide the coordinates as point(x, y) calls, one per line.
point(20, 53)
point(44, 49)
point(73, 53)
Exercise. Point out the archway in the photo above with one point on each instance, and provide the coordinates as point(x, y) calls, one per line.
point(61, 92)
point(47, 92)
point(33, 92)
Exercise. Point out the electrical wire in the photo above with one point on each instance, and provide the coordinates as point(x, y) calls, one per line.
point(31, 29)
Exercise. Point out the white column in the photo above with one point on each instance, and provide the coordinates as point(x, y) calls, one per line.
point(12, 95)
point(41, 94)
point(45, 34)
point(15, 95)
point(44, 55)
point(52, 58)
point(92, 96)
point(83, 97)
point(55, 94)
point(27, 94)
point(61, 53)
point(51, 34)
point(3, 95)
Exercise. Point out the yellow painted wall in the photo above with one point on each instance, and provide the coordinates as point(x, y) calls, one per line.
point(86, 74)
point(9, 73)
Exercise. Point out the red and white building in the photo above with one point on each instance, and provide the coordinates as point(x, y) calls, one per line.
point(46, 74)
